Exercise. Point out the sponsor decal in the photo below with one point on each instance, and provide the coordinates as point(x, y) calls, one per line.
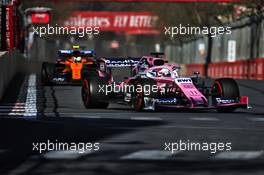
point(40, 17)
point(128, 22)
point(167, 101)
point(127, 97)
point(58, 79)
point(224, 101)
point(65, 51)
point(183, 80)
point(121, 63)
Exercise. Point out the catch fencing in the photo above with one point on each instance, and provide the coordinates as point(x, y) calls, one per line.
point(244, 62)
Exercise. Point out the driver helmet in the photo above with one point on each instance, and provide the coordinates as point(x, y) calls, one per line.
point(77, 59)
point(177, 72)
point(144, 66)
point(164, 73)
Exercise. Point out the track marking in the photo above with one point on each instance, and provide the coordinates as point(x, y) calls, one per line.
point(204, 118)
point(13, 110)
point(31, 99)
point(149, 155)
point(11, 107)
point(87, 116)
point(17, 109)
point(211, 127)
point(146, 118)
point(21, 108)
point(69, 154)
point(239, 155)
point(256, 119)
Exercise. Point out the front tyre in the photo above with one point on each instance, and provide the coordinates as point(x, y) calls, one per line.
point(225, 88)
point(91, 95)
point(138, 101)
point(144, 88)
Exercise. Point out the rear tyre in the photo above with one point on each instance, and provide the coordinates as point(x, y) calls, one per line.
point(91, 95)
point(225, 88)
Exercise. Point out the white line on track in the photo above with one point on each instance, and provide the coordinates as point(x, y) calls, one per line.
point(13, 110)
point(29, 108)
point(211, 127)
point(149, 155)
point(87, 116)
point(68, 154)
point(31, 99)
point(12, 104)
point(146, 118)
point(239, 155)
point(116, 117)
point(256, 119)
point(204, 118)
point(11, 107)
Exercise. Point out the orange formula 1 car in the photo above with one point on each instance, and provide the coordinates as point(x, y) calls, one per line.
point(71, 66)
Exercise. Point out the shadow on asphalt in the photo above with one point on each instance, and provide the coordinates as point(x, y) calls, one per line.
point(18, 134)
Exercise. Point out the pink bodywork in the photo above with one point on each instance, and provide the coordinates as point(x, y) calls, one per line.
point(187, 88)
point(183, 85)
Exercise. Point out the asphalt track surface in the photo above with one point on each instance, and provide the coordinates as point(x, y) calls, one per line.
point(130, 142)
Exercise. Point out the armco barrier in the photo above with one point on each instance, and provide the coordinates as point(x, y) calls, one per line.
point(242, 69)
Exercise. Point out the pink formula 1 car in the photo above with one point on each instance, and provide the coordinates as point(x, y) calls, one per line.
point(157, 84)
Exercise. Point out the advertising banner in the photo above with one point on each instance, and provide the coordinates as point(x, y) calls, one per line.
point(43, 18)
point(9, 27)
point(128, 22)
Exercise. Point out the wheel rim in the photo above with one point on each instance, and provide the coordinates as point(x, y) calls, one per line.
point(217, 89)
point(139, 101)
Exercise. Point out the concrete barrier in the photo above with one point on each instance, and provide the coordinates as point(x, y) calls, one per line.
point(12, 63)
point(8, 65)
point(242, 69)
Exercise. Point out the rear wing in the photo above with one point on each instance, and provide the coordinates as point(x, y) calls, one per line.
point(84, 53)
point(157, 54)
point(121, 62)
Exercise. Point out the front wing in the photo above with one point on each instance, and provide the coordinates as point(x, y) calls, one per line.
point(221, 103)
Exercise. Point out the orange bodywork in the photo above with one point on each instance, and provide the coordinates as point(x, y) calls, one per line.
point(74, 67)
point(76, 70)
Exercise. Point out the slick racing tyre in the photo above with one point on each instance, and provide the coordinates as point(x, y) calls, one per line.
point(47, 70)
point(91, 95)
point(225, 88)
